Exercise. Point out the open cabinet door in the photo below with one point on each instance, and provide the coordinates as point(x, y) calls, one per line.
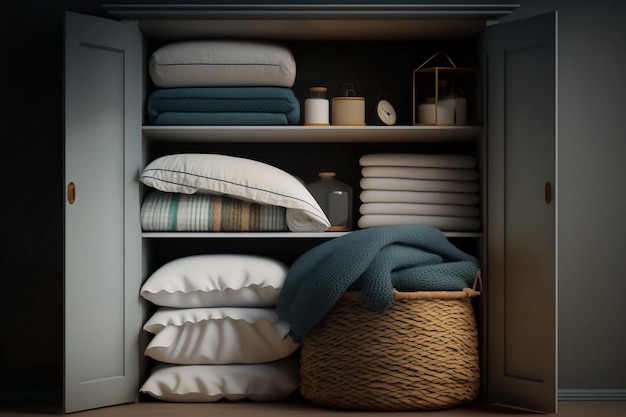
point(521, 276)
point(102, 233)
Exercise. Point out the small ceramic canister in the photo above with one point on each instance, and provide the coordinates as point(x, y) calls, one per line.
point(316, 107)
point(348, 110)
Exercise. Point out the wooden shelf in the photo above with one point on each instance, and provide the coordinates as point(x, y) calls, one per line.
point(242, 235)
point(296, 134)
point(311, 21)
point(266, 235)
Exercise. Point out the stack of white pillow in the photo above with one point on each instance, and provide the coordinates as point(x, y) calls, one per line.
point(216, 334)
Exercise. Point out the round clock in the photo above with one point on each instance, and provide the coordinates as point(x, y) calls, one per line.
point(385, 112)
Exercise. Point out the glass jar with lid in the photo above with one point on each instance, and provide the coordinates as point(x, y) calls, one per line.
point(316, 108)
point(335, 198)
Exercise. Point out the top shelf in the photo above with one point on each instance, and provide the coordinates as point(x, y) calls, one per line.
point(353, 134)
point(312, 21)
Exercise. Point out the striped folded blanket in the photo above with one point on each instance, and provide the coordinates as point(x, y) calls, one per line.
point(168, 212)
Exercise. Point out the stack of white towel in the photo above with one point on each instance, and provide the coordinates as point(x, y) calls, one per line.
point(441, 191)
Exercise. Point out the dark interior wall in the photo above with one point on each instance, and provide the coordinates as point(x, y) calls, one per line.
point(31, 148)
point(32, 165)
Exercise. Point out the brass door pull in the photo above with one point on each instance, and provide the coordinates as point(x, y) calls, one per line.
point(71, 193)
point(547, 192)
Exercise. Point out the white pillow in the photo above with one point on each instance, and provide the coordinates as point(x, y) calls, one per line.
point(209, 383)
point(218, 336)
point(215, 280)
point(230, 63)
point(242, 178)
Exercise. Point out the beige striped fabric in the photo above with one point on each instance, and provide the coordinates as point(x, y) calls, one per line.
point(162, 211)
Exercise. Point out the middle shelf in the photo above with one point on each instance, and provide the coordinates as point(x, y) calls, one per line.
point(305, 151)
point(266, 235)
point(295, 134)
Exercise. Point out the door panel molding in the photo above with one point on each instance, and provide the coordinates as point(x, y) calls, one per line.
point(521, 285)
point(102, 234)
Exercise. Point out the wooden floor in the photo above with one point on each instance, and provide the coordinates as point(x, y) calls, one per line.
point(302, 409)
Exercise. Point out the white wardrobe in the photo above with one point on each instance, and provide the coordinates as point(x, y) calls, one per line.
point(107, 257)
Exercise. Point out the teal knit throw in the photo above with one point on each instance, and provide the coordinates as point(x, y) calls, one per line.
point(374, 261)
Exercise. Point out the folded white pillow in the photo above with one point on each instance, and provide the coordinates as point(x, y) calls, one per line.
point(228, 63)
point(214, 280)
point(241, 178)
point(216, 336)
point(209, 383)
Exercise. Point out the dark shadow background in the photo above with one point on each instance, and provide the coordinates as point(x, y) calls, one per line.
point(31, 175)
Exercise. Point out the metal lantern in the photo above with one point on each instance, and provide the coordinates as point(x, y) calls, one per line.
point(442, 92)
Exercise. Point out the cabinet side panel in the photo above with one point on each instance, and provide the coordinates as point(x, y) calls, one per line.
point(521, 278)
point(100, 352)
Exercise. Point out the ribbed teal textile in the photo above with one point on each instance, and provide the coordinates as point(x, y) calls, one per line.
point(374, 261)
point(223, 105)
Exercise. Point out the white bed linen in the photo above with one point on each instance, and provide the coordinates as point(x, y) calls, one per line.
point(420, 209)
point(382, 196)
point(220, 63)
point(446, 223)
point(404, 184)
point(418, 160)
point(425, 173)
point(271, 381)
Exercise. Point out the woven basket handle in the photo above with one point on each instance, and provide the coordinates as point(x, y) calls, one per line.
point(475, 291)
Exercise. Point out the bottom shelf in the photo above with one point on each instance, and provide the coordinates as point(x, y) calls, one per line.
point(291, 408)
point(303, 409)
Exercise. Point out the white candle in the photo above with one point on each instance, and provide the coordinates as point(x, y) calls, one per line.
point(316, 111)
point(426, 113)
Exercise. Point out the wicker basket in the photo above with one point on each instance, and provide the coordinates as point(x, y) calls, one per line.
point(421, 354)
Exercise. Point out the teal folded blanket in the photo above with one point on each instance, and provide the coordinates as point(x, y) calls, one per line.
point(373, 261)
point(223, 105)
